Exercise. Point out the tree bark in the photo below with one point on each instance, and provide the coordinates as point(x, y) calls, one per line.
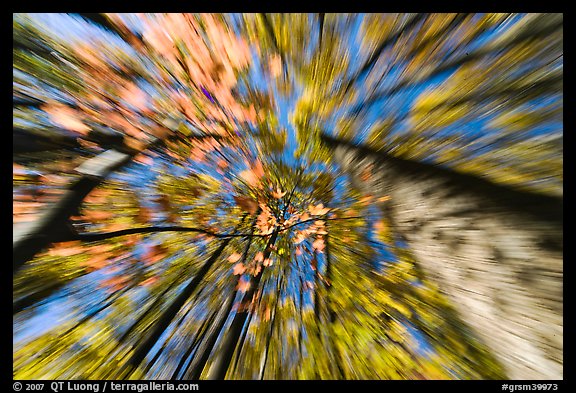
point(495, 252)
point(28, 239)
point(197, 365)
point(168, 315)
point(222, 362)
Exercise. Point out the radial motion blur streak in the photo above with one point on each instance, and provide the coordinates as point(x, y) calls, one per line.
point(287, 196)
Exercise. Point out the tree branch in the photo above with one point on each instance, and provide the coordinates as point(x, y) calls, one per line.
point(171, 311)
point(97, 236)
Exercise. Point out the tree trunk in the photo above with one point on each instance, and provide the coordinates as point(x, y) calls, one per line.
point(198, 363)
point(330, 313)
point(28, 239)
point(496, 253)
point(222, 362)
point(168, 315)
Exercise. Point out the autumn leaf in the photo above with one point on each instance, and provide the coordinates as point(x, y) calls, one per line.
point(150, 281)
point(197, 155)
point(100, 249)
point(350, 213)
point(247, 204)
point(132, 240)
point(259, 257)
point(318, 210)
point(88, 145)
point(135, 143)
point(144, 215)
point(97, 196)
point(164, 202)
point(97, 262)
point(243, 285)
point(114, 284)
point(234, 257)
point(117, 226)
point(379, 226)
point(366, 200)
point(238, 269)
point(222, 164)
point(250, 177)
point(318, 244)
point(267, 313)
point(66, 249)
point(154, 254)
point(94, 215)
point(66, 117)
point(144, 159)
point(275, 65)
point(267, 262)
point(278, 193)
point(135, 96)
point(299, 238)
point(366, 174)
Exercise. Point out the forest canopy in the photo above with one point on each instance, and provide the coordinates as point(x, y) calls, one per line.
point(178, 215)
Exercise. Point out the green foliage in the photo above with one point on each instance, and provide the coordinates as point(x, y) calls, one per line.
point(281, 235)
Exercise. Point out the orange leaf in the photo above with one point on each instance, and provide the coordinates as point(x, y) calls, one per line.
point(318, 210)
point(100, 249)
point(97, 196)
point(318, 244)
point(66, 249)
point(132, 240)
point(379, 225)
point(135, 96)
point(97, 262)
point(66, 117)
point(350, 213)
point(197, 154)
point(154, 254)
point(267, 313)
point(243, 285)
point(275, 65)
point(258, 169)
point(278, 193)
point(144, 159)
point(304, 216)
point(234, 257)
point(97, 215)
point(144, 215)
point(114, 283)
point(246, 204)
point(300, 237)
point(249, 177)
point(221, 163)
point(164, 202)
point(366, 173)
point(149, 281)
point(366, 200)
point(259, 257)
point(87, 144)
point(238, 269)
point(136, 144)
point(116, 227)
